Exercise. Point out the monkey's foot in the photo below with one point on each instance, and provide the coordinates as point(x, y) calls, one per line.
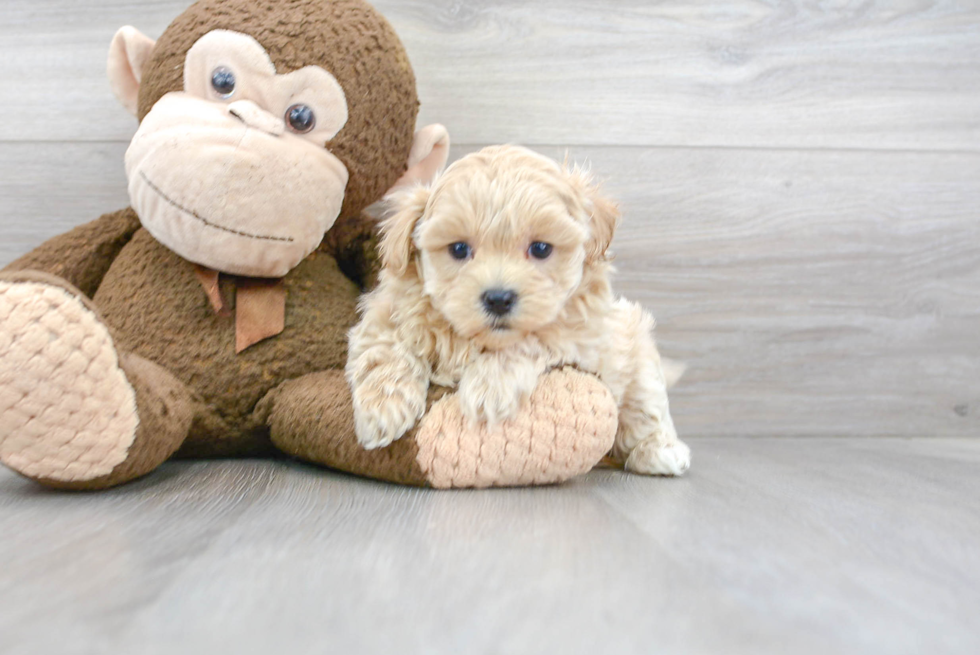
point(67, 411)
point(564, 430)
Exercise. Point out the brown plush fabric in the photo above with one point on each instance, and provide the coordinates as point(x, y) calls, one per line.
point(312, 418)
point(349, 39)
point(82, 256)
point(165, 412)
point(155, 303)
point(354, 245)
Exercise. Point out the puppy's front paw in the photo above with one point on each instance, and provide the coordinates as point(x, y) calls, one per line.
point(489, 399)
point(653, 457)
point(383, 414)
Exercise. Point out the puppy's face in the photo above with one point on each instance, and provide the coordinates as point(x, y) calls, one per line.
point(501, 242)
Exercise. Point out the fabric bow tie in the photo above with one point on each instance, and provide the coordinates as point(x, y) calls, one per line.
point(260, 305)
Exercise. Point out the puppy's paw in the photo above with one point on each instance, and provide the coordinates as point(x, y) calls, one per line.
point(489, 399)
point(653, 457)
point(384, 413)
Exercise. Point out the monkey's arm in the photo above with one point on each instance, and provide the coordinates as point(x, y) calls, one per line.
point(83, 255)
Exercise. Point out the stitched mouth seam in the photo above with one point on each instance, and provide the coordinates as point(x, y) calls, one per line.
point(208, 223)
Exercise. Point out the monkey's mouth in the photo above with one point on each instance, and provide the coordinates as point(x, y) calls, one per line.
point(189, 212)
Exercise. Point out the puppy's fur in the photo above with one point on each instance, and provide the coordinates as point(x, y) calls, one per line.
point(429, 321)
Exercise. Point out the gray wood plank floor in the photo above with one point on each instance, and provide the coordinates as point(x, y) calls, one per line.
point(769, 546)
point(800, 184)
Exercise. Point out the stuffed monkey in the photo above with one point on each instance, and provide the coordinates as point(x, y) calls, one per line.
point(210, 318)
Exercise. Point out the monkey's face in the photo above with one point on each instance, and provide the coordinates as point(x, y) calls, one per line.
point(233, 172)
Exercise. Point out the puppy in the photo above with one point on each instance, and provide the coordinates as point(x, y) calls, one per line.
point(491, 277)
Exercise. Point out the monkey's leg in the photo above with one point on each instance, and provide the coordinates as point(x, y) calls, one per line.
point(312, 418)
point(74, 412)
point(566, 428)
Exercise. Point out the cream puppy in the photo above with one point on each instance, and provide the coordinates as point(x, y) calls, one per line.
point(491, 277)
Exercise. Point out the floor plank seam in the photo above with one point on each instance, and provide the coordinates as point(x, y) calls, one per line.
point(620, 146)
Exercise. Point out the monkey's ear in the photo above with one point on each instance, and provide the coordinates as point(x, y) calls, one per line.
point(396, 246)
point(128, 53)
point(428, 157)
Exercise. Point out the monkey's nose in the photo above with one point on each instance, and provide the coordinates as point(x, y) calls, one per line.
point(499, 302)
point(257, 118)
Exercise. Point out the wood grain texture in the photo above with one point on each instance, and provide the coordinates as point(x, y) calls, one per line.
point(800, 184)
point(879, 74)
point(48, 188)
point(811, 293)
point(769, 546)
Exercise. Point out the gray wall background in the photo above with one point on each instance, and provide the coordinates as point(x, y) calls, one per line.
point(800, 180)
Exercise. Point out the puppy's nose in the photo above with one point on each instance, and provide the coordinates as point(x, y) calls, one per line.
point(499, 302)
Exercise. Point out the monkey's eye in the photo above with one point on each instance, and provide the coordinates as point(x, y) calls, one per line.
point(540, 250)
point(300, 118)
point(460, 250)
point(223, 82)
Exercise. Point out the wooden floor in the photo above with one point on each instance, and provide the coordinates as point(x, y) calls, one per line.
point(801, 188)
point(769, 546)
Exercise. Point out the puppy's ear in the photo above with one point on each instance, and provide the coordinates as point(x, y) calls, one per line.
point(603, 213)
point(673, 371)
point(605, 219)
point(396, 246)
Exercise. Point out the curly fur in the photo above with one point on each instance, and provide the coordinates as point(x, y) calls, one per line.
point(426, 322)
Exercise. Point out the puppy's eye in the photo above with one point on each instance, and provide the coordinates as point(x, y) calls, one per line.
point(223, 82)
point(460, 250)
point(540, 250)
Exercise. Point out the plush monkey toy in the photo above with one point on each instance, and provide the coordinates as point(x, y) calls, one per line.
point(210, 319)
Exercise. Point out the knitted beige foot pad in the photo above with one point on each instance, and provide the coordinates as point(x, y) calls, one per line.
point(67, 411)
point(568, 427)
